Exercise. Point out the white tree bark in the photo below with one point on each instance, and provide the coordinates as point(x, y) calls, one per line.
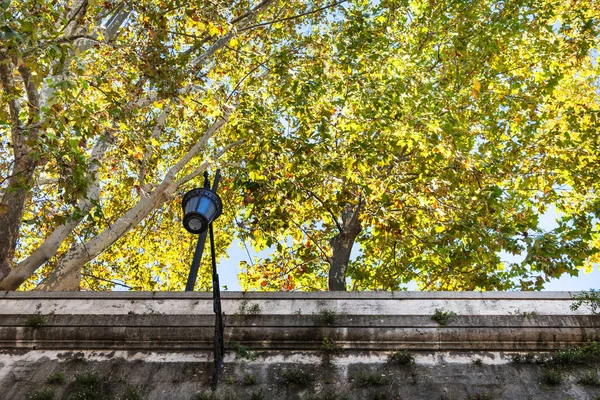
point(51, 244)
point(67, 274)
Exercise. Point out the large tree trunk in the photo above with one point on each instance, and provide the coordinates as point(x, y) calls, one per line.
point(51, 244)
point(12, 202)
point(341, 246)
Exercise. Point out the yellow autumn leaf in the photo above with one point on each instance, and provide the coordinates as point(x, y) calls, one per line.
point(476, 88)
point(213, 30)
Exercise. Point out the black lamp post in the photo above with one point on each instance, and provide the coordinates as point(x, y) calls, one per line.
point(201, 206)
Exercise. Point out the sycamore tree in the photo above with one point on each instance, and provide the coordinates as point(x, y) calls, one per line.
point(431, 135)
point(110, 111)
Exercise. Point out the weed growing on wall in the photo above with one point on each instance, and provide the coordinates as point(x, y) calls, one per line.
point(245, 308)
point(132, 394)
point(297, 376)
point(242, 352)
point(551, 376)
point(401, 357)
point(441, 316)
point(35, 321)
point(56, 378)
point(328, 316)
point(371, 379)
point(589, 379)
point(249, 380)
point(88, 387)
point(590, 300)
point(589, 352)
point(44, 394)
point(330, 347)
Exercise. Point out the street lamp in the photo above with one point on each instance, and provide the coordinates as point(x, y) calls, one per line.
point(201, 206)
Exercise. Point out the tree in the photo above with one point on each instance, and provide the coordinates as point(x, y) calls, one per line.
point(434, 135)
point(126, 105)
point(431, 134)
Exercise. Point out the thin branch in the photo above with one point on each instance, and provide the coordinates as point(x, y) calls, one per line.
point(326, 208)
point(149, 150)
point(326, 257)
point(292, 17)
point(83, 4)
point(243, 79)
point(249, 13)
point(106, 280)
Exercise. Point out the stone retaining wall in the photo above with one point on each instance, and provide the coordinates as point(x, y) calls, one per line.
point(295, 345)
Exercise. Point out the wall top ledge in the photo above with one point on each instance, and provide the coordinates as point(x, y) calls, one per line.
point(293, 295)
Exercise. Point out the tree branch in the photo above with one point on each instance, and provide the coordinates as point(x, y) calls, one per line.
point(293, 17)
point(149, 150)
point(337, 223)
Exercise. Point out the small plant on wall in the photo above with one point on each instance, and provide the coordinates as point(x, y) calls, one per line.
point(56, 378)
point(441, 316)
point(297, 376)
point(401, 357)
point(552, 376)
point(35, 321)
point(44, 394)
point(589, 300)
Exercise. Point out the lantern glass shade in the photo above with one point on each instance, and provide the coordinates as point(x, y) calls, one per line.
point(200, 208)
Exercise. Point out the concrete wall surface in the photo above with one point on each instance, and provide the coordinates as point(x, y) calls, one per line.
point(368, 345)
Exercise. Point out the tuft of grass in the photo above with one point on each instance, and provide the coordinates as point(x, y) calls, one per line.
point(242, 352)
point(371, 379)
point(44, 394)
point(88, 387)
point(56, 378)
point(589, 379)
point(330, 346)
point(441, 316)
point(250, 380)
point(552, 377)
point(297, 376)
point(401, 357)
point(132, 394)
point(328, 316)
point(35, 321)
